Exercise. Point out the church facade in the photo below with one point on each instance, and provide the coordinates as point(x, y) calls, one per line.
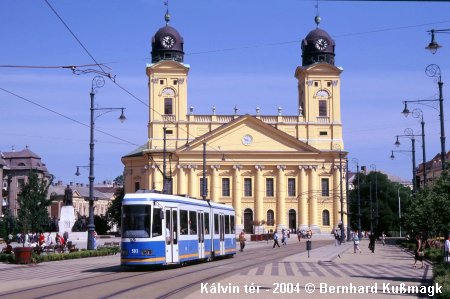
point(278, 171)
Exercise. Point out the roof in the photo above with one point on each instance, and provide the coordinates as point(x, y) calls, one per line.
point(81, 191)
point(137, 152)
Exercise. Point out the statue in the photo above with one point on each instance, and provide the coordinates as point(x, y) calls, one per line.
point(68, 200)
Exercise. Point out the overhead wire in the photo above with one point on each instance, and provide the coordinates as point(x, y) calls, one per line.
point(64, 116)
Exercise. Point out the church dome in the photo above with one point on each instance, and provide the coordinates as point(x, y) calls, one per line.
point(318, 46)
point(167, 44)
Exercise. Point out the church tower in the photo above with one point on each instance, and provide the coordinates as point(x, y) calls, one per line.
point(167, 83)
point(319, 90)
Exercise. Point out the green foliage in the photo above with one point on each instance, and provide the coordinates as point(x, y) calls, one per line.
point(114, 209)
point(7, 258)
point(430, 210)
point(33, 203)
point(441, 273)
point(75, 255)
point(101, 224)
point(373, 185)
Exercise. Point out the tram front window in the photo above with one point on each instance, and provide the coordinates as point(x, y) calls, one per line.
point(136, 221)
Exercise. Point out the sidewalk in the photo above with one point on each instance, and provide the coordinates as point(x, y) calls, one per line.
point(328, 268)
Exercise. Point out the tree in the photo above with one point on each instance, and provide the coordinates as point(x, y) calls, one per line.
point(387, 193)
point(119, 180)
point(113, 213)
point(430, 209)
point(33, 203)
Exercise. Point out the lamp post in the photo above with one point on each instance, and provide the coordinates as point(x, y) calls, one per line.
point(204, 172)
point(399, 211)
point(359, 197)
point(373, 167)
point(348, 202)
point(433, 70)
point(97, 82)
point(338, 147)
point(409, 133)
point(433, 46)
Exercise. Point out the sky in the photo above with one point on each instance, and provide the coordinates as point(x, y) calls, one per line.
point(241, 53)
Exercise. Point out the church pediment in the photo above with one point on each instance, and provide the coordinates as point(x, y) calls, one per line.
point(168, 66)
point(249, 134)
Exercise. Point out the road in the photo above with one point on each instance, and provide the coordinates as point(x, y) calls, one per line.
point(259, 264)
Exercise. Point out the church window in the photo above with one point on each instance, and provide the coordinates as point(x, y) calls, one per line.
point(326, 218)
point(161, 82)
point(168, 106)
point(291, 187)
point(323, 133)
point(325, 187)
point(247, 187)
point(175, 82)
point(270, 220)
point(225, 187)
point(323, 108)
point(269, 187)
point(169, 132)
point(137, 186)
point(316, 83)
point(328, 83)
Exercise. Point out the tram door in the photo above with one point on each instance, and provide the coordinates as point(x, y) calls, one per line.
point(171, 232)
point(201, 234)
point(222, 234)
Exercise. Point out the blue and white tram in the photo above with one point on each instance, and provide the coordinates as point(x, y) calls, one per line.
point(168, 229)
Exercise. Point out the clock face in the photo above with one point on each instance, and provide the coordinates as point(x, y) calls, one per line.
point(167, 41)
point(321, 44)
point(247, 140)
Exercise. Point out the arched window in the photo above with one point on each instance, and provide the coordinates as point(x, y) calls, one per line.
point(326, 218)
point(270, 220)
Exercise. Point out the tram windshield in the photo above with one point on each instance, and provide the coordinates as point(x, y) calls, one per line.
point(136, 221)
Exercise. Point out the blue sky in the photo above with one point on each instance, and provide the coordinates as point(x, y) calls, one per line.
point(241, 53)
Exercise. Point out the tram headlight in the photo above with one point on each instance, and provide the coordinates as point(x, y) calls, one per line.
point(146, 252)
point(124, 252)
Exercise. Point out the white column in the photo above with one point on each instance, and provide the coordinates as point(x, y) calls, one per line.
point(313, 194)
point(259, 193)
point(192, 181)
point(302, 198)
point(281, 196)
point(181, 180)
point(237, 193)
point(215, 184)
point(336, 197)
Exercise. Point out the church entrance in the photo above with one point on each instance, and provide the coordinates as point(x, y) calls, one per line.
point(292, 219)
point(248, 221)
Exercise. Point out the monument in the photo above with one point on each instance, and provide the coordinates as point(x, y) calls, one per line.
point(67, 216)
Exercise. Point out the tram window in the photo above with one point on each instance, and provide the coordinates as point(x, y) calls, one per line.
point(183, 222)
point(232, 223)
point(193, 222)
point(227, 224)
point(216, 224)
point(136, 221)
point(157, 222)
point(207, 223)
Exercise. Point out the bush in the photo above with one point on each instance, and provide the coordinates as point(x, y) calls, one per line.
point(75, 255)
point(441, 273)
point(6, 258)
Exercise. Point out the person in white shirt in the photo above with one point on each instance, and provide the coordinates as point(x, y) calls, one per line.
point(447, 249)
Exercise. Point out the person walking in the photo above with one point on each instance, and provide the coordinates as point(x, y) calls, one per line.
point(418, 253)
point(383, 238)
point(275, 239)
point(242, 241)
point(447, 249)
point(372, 242)
point(283, 237)
point(356, 243)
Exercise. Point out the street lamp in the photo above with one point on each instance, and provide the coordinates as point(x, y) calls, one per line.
point(433, 70)
point(373, 167)
point(433, 46)
point(97, 82)
point(399, 211)
point(409, 133)
point(354, 160)
point(417, 113)
point(338, 147)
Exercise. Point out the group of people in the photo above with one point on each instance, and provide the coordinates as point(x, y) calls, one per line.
point(372, 240)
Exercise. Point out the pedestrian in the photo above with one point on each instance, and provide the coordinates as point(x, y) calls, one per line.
point(372, 242)
point(383, 238)
point(242, 240)
point(356, 242)
point(95, 239)
point(66, 236)
point(283, 237)
point(447, 249)
point(299, 235)
point(418, 253)
point(337, 238)
point(275, 239)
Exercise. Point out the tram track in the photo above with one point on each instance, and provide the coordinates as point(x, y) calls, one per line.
point(124, 284)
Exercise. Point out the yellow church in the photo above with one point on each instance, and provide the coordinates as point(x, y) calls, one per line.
point(277, 171)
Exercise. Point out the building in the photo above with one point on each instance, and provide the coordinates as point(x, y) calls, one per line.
point(80, 199)
point(15, 166)
point(433, 170)
point(277, 170)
